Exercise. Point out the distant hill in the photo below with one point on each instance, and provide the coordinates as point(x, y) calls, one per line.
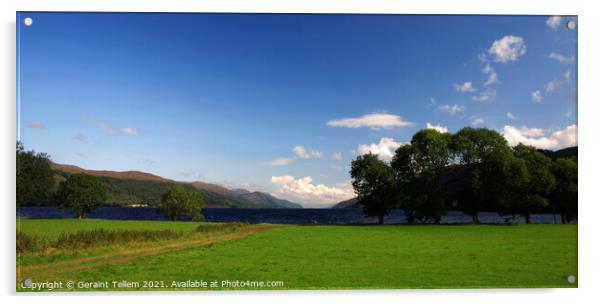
point(566, 152)
point(134, 187)
point(262, 197)
point(350, 203)
point(137, 175)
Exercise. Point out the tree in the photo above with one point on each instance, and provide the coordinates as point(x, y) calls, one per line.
point(81, 192)
point(563, 198)
point(479, 152)
point(177, 201)
point(374, 183)
point(35, 179)
point(418, 169)
point(531, 194)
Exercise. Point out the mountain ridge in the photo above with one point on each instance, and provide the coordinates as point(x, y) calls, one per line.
point(232, 198)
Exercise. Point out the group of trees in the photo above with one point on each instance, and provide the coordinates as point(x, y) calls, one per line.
point(84, 193)
point(472, 170)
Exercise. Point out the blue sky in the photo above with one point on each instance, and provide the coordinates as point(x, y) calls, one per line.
point(282, 103)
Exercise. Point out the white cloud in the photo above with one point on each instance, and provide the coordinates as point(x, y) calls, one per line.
point(303, 190)
point(536, 96)
point(510, 115)
point(130, 131)
point(385, 148)
point(282, 161)
point(453, 109)
point(305, 154)
point(567, 75)
point(553, 22)
point(106, 126)
point(35, 124)
point(113, 130)
point(486, 95)
point(561, 58)
point(536, 137)
point(439, 128)
point(508, 48)
point(247, 186)
point(491, 74)
point(337, 155)
point(553, 85)
point(477, 121)
point(465, 87)
point(432, 101)
point(375, 121)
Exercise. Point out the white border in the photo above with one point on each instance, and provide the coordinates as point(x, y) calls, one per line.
point(589, 158)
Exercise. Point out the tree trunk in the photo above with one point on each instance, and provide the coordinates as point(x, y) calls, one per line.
point(528, 218)
point(381, 220)
point(475, 219)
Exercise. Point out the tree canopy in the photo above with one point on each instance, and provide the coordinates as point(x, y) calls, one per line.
point(482, 153)
point(35, 180)
point(472, 170)
point(374, 183)
point(418, 168)
point(81, 192)
point(179, 201)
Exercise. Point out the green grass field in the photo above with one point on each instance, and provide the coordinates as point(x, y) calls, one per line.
point(318, 257)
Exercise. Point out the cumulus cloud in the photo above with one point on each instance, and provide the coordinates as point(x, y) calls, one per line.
point(553, 85)
point(540, 138)
point(35, 124)
point(508, 48)
point(375, 121)
point(536, 96)
point(303, 190)
point(561, 58)
point(130, 131)
point(306, 154)
point(491, 74)
point(282, 161)
point(477, 121)
point(337, 155)
point(554, 22)
point(486, 95)
point(465, 87)
point(510, 115)
point(385, 148)
point(439, 128)
point(452, 109)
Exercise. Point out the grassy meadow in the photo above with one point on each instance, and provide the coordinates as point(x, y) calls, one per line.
point(310, 257)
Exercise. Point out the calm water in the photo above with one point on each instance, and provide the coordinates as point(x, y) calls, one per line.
point(276, 216)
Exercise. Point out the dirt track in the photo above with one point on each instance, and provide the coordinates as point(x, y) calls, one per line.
point(123, 256)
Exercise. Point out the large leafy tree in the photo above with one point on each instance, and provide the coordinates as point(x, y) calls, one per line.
point(531, 195)
point(481, 154)
point(178, 201)
point(82, 193)
point(418, 168)
point(374, 183)
point(35, 179)
point(563, 198)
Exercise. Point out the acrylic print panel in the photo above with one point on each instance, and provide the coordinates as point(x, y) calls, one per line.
point(171, 151)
